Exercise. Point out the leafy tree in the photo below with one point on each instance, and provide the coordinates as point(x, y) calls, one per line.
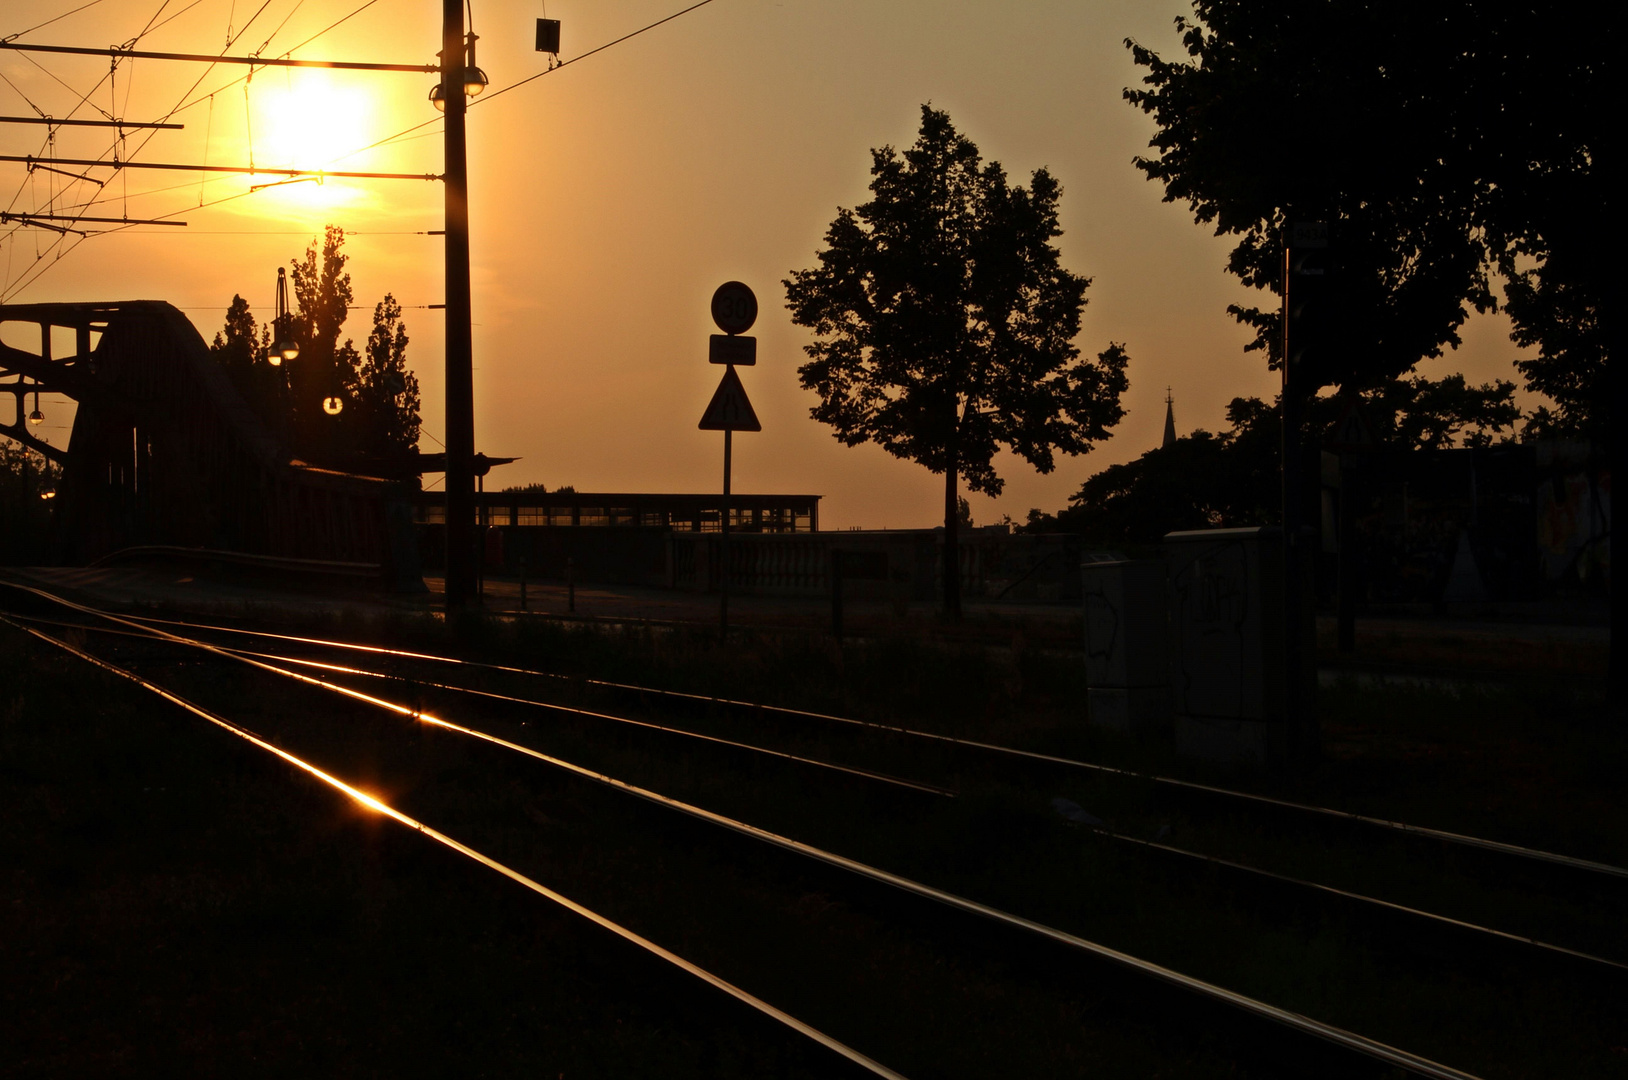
point(1563, 322)
point(242, 348)
point(379, 422)
point(387, 390)
point(1420, 414)
point(1440, 140)
point(324, 368)
point(1207, 481)
point(25, 517)
point(945, 323)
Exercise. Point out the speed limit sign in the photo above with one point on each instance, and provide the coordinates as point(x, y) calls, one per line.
point(734, 308)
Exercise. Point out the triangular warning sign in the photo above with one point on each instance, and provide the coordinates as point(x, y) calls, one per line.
point(1352, 432)
point(729, 410)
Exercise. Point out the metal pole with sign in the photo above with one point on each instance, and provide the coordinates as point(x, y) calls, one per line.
point(734, 309)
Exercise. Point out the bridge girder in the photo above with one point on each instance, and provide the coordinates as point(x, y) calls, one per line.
point(164, 450)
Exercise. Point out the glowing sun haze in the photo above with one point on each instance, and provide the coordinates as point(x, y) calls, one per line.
point(609, 198)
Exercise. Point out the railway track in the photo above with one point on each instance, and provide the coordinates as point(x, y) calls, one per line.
point(1286, 806)
point(1498, 865)
point(319, 675)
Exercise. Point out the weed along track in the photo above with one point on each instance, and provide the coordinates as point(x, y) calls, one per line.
point(937, 904)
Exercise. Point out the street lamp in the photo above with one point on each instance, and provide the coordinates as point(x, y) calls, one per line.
point(36, 417)
point(285, 347)
point(333, 405)
point(474, 79)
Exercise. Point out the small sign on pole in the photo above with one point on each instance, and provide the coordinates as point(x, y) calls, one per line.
point(732, 349)
point(734, 309)
point(729, 409)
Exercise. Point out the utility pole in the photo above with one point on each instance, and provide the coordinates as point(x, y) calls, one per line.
point(1308, 343)
point(460, 390)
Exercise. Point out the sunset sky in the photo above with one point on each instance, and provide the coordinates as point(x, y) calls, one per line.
point(610, 197)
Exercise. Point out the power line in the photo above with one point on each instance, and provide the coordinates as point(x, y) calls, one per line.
point(56, 18)
point(249, 170)
point(252, 61)
point(185, 104)
point(38, 256)
point(53, 122)
point(531, 78)
point(575, 59)
point(30, 219)
point(288, 232)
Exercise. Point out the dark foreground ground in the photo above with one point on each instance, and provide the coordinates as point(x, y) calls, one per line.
point(178, 902)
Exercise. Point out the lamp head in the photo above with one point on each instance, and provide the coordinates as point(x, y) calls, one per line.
point(333, 406)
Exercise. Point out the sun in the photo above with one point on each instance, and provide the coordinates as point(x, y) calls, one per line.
point(308, 120)
point(311, 121)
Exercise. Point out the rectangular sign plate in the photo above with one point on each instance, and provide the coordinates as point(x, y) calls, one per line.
point(732, 349)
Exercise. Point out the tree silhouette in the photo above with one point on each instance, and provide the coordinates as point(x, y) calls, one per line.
point(1439, 140)
point(945, 323)
point(25, 517)
point(242, 349)
point(386, 389)
point(378, 425)
point(1230, 479)
point(324, 368)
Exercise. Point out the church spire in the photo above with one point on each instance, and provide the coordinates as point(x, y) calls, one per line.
point(1169, 421)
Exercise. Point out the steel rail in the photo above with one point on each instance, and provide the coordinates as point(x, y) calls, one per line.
point(1423, 831)
point(339, 669)
point(378, 806)
point(1502, 936)
point(1305, 1025)
point(206, 58)
point(898, 781)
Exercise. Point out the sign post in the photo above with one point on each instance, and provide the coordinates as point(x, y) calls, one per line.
point(734, 309)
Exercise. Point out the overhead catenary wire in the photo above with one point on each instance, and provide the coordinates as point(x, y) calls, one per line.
point(35, 271)
point(379, 806)
point(52, 19)
point(1348, 1040)
point(25, 281)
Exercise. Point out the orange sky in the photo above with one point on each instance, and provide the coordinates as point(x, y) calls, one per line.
point(609, 198)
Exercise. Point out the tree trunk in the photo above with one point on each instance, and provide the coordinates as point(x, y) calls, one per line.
point(952, 547)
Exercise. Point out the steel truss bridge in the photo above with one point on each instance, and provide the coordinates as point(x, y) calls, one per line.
point(164, 452)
